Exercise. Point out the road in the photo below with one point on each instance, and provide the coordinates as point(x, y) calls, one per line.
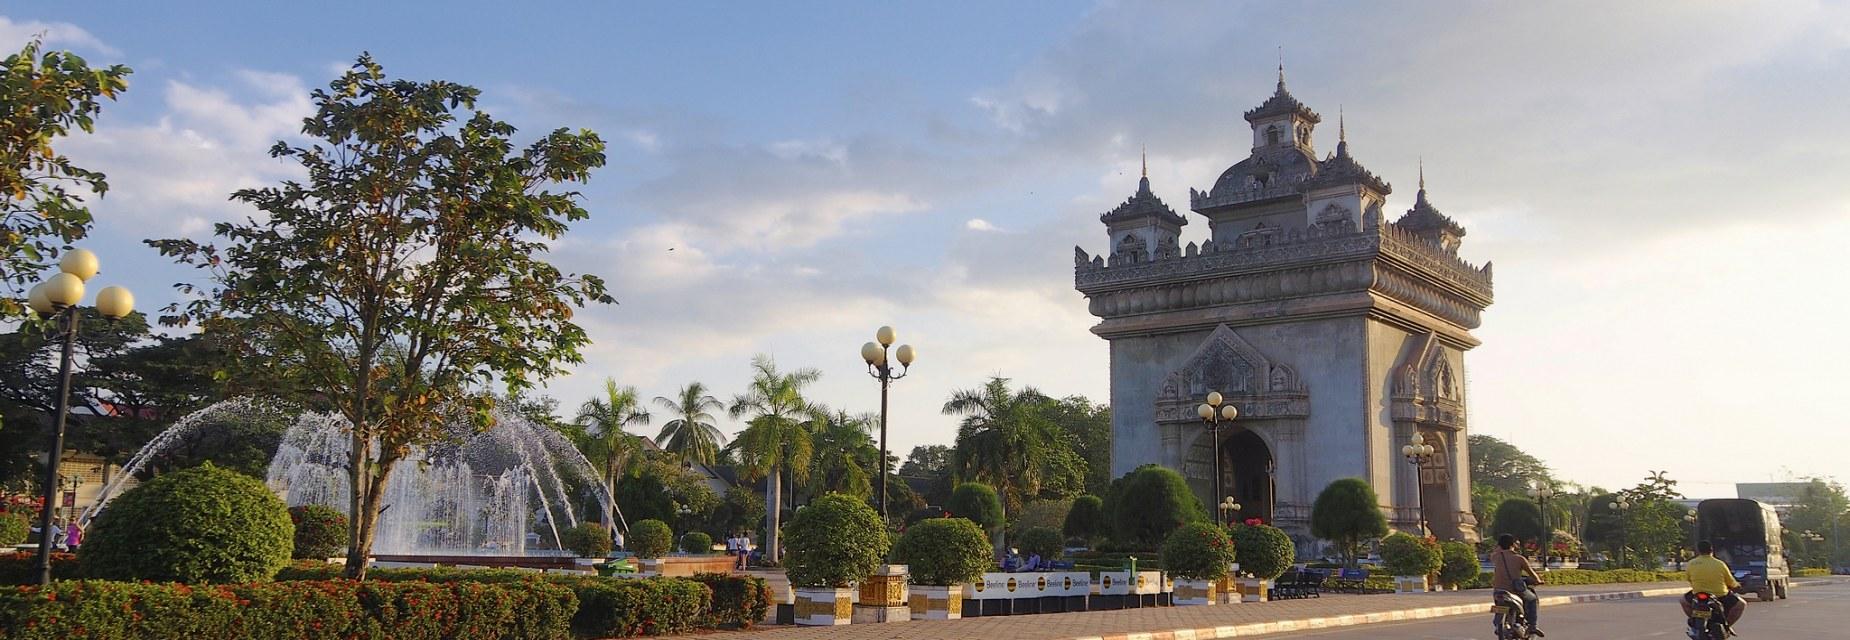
point(1814, 611)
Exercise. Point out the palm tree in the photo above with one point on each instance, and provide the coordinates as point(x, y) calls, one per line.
point(613, 448)
point(1003, 441)
point(691, 435)
point(844, 458)
point(775, 442)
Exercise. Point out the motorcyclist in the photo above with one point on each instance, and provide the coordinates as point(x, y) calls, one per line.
point(1708, 574)
point(1510, 572)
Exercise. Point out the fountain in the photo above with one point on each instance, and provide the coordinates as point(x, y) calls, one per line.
point(504, 491)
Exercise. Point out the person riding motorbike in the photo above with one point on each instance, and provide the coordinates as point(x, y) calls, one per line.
point(1510, 573)
point(1708, 574)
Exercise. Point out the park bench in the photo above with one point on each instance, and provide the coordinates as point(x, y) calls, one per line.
point(1308, 583)
point(1349, 581)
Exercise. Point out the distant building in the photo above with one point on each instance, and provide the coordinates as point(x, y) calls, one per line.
point(1336, 332)
point(1779, 495)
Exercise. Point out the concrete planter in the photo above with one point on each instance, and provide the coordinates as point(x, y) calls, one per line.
point(1255, 590)
point(1190, 592)
point(936, 603)
point(650, 567)
point(1564, 564)
point(883, 596)
point(1410, 584)
point(824, 607)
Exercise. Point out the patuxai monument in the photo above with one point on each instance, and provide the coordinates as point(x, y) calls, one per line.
point(1336, 332)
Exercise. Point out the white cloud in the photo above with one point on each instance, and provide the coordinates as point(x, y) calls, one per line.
point(979, 224)
point(14, 34)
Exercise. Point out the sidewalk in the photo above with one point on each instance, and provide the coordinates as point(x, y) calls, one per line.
point(1219, 621)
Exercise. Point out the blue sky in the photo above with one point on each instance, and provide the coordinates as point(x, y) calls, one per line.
point(1659, 184)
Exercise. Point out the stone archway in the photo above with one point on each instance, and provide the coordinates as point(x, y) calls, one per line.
point(1247, 474)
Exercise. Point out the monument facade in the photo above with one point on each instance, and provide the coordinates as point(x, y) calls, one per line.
point(1337, 333)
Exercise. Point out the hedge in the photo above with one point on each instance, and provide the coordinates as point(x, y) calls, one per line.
point(944, 551)
point(332, 609)
point(1592, 576)
point(650, 539)
point(1198, 551)
point(607, 607)
point(1812, 572)
point(202, 524)
point(14, 527)
point(22, 568)
point(320, 532)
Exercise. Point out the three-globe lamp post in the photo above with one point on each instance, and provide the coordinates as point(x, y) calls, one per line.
point(1418, 453)
point(1213, 413)
point(1229, 509)
point(57, 298)
point(880, 367)
point(1541, 493)
point(1622, 505)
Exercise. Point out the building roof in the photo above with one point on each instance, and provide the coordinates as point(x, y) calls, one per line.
point(1341, 169)
point(1425, 217)
point(1143, 204)
point(1282, 103)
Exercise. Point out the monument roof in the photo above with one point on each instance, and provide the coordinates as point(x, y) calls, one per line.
point(1282, 103)
point(1425, 217)
point(1143, 204)
point(1342, 169)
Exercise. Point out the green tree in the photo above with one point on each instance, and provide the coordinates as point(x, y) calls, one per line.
point(1521, 518)
point(1814, 509)
point(776, 441)
point(1086, 520)
point(1004, 441)
point(844, 456)
point(1088, 434)
point(406, 273)
point(690, 433)
point(977, 502)
point(1148, 503)
point(1503, 466)
point(607, 442)
point(932, 462)
point(1347, 513)
point(43, 95)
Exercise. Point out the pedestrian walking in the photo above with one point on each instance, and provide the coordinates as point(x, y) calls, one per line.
point(73, 535)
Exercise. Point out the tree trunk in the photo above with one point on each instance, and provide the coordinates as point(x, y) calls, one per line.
point(774, 517)
point(1000, 537)
point(358, 465)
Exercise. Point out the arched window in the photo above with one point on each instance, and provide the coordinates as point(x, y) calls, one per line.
point(1271, 135)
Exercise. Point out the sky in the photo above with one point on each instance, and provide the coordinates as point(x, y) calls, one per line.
point(1660, 184)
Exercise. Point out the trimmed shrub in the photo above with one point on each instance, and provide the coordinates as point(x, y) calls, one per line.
point(587, 540)
point(1347, 513)
point(1265, 551)
point(1405, 555)
point(1146, 505)
point(1812, 572)
point(1039, 513)
point(607, 607)
point(944, 551)
point(320, 532)
point(23, 568)
point(330, 610)
point(650, 539)
point(738, 601)
point(1518, 517)
point(1457, 564)
point(978, 503)
point(1198, 551)
point(14, 527)
point(835, 540)
point(197, 525)
point(1086, 520)
point(1043, 541)
point(697, 542)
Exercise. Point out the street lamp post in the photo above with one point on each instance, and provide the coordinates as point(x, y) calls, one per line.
point(1419, 453)
point(878, 366)
point(1271, 491)
point(57, 297)
point(1228, 509)
point(1214, 413)
point(1622, 505)
point(1541, 493)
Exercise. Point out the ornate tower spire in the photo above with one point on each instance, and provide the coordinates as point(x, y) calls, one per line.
point(1146, 161)
point(1281, 67)
point(1342, 130)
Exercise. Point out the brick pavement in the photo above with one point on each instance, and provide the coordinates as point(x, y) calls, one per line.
point(1191, 623)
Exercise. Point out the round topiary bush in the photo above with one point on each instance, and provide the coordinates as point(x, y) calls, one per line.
point(697, 542)
point(203, 524)
point(942, 552)
point(835, 540)
point(650, 539)
point(1458, 564)
point(13, 528)
point(320, 532)
point(587, 540)
point(1198, 551)
point(1265, 551)
point(1520, 518)
point(1147, 504)
point(1086, 520)
point(1042, 541)
point(978, 503)
point(1405, 555)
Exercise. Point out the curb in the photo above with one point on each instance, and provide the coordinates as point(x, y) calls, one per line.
point(1308, 624)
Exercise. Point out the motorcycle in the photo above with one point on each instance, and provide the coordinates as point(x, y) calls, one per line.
point(1507, 616)
point(1708, 620)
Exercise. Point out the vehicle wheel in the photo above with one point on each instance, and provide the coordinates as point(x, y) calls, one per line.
point(1765, 594)
point(1782, 589)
